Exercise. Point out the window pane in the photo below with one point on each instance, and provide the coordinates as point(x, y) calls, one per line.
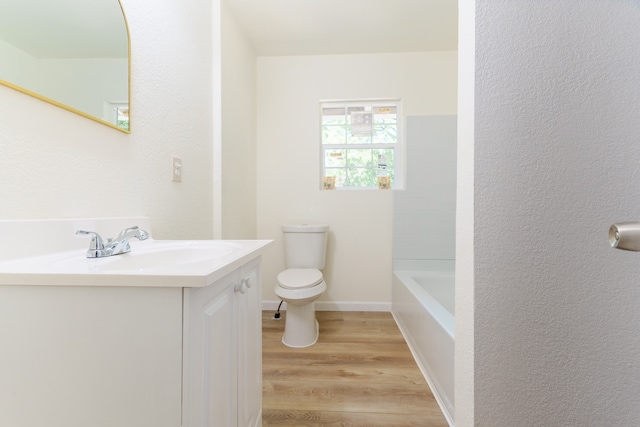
point(334, 116)
point(340, 174)
point(362, 177)
point(335, 158)
point(385, 134)
point(385, 115)
point(389, 155)
point(359, 109)
point(360, 158)
point(351, 139)
point(387, 152)
point(362, 124)
point(334, 134)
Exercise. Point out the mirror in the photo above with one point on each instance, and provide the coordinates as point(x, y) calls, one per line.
point(71, 53)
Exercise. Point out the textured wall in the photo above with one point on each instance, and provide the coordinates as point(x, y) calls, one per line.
point(289, 90)
point(557, 95)
point(57, 164)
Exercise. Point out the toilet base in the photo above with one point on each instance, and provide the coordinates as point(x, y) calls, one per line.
point(301, 329)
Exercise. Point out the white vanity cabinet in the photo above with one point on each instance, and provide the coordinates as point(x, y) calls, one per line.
point(168, 335)
point(77, 356)
point(223, 351)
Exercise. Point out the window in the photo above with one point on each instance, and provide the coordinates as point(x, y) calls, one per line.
point(117, 113)
point(361, 144)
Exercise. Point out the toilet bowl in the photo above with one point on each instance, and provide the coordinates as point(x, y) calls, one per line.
point(299, 288)
point(302, 282)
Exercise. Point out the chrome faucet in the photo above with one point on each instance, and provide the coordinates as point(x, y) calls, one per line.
point(117, 246)
point(121, 245)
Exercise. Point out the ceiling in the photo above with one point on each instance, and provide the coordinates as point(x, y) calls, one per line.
point(274, 27)
point(320, 27)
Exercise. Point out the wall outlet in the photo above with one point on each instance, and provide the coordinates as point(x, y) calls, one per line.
point(176, 169)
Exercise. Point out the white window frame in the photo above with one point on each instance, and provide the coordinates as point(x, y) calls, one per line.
point(398, 147)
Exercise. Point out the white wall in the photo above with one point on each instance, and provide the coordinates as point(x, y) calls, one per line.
point(289, 89)
point(464, 277)
point(239, 74)
point(556, 153)
point(424, 215)
point(58, 164)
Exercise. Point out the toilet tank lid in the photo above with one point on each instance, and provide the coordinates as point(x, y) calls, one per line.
point(305, 228)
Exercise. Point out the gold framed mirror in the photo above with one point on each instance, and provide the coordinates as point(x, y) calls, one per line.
point(74, 54)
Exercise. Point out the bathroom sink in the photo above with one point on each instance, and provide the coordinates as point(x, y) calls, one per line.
point(154, 256)
point(159, 259)
point(155, 263)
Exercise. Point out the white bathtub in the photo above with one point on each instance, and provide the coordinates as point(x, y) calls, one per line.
point(423, 306)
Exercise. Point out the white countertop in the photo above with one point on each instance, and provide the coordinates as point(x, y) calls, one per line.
point(74, 269)
point(151, 263)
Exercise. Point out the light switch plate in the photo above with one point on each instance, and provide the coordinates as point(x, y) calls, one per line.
point(176, 169)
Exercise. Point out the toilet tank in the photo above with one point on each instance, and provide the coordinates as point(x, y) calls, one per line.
point(305, 246)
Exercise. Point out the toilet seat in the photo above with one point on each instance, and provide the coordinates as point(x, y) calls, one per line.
point(299, 278)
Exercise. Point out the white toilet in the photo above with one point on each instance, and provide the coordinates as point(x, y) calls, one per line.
point(305, 248)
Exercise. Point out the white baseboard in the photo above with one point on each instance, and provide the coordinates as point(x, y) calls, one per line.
point(335, 306)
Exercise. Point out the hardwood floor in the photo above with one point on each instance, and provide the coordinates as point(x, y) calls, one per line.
point(359, 373)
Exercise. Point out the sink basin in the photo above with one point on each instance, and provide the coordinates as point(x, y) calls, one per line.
point(159, 258)
point(153, 256)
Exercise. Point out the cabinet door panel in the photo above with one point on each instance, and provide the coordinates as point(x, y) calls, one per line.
point(250, 348)
point(223, 351)
point(211, 361)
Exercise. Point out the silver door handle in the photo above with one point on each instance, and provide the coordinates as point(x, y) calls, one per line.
point(625, 235)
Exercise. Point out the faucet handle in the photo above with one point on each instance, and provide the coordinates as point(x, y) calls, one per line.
point(125, 231)
point(96, 247)
point(142, 235)
point(96, 240)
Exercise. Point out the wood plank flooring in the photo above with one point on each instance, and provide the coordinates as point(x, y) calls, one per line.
point(359, 373)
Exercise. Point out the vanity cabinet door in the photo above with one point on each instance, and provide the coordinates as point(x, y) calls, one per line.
point(210, 355)
point(250, 347)
point(223, 351)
